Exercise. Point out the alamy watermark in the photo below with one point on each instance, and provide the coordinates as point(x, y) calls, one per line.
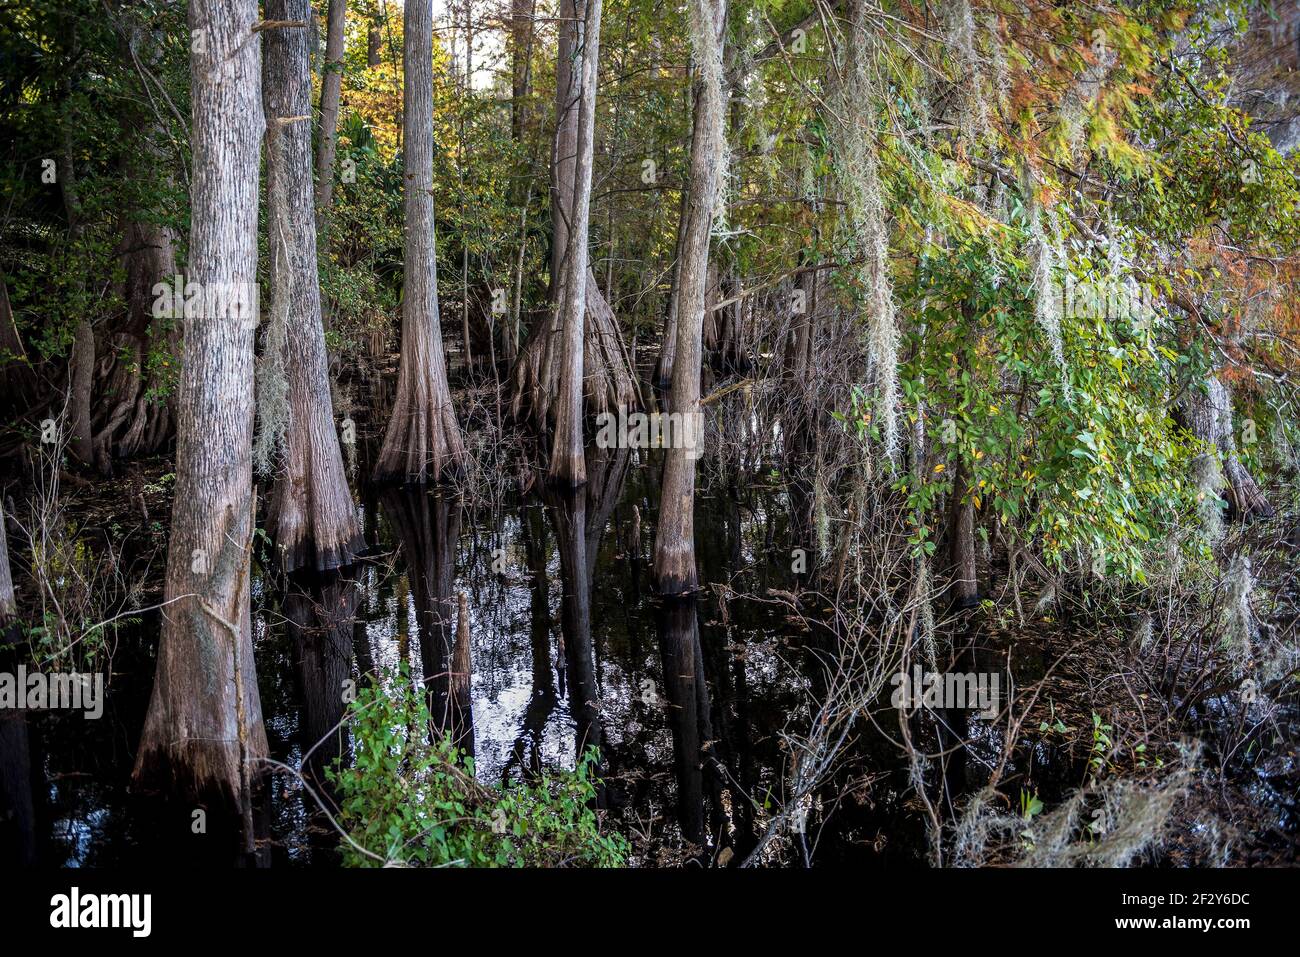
point(977, 691)
point(656, 430)
point(179, 299)
point(38, 691)
point(74, 910)
point(1105, 298)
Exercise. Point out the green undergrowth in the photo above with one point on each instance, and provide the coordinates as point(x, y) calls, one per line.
point(410, 798)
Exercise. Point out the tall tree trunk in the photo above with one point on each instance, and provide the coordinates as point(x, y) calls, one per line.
point(467, 92)
point(663, 371)
point(521, 49)
point(203, 730)
point(961, 505)
point(521, 58)
point(568, 107)
point(607, 375)
point(374, 37)
point(1209, 414)
point(961, 540)
point(568, 465)
point(18, 385)
point(798, 353)
point(674, 559)
point(310, 516)
point(81, 362)
point(423, 438)
point(8, 604)
point(331, 87)
point(81, 381)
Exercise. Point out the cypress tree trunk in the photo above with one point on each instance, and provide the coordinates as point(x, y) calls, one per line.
point(81, 381)
point(310, 516)
point(568, 465)
point(331, 87)
point(203, 730)
point(798, 354)
point(521, 48)
point(131, 422)
point(81, 361)
point(606, 372)
point(674, 559)
point(961, 506)
point(568, 107)
point(1209, 414)
point(961, 540)
point(8, 605)
point(423, 439)
point(663, 371)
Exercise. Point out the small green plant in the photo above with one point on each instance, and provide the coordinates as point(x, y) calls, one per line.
point(1101, 743)
point(1030, 805)
point(1056, 724)
point(410, 797)
point(162, 485)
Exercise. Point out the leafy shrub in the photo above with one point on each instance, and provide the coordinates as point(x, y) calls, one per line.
point(410, 797)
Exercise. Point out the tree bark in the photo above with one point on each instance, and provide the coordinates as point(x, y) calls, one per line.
point(373, 40)
point(81, 361)
point(961, 540)
point(310, 516)
point(521, 49)
point(568, 465)
point(1209, 414)
point(81, 381)
point(961, 505)
point(423, 439)
point(674, 558)
point(8, 603)
point(798, 355)
point(133, 419)
point(203, 731)
point(18, 385)
point(606, 372)
point(331, 88)
point(663, 371)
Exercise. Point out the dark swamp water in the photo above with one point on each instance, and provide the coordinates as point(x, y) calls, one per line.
point(568, 646)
